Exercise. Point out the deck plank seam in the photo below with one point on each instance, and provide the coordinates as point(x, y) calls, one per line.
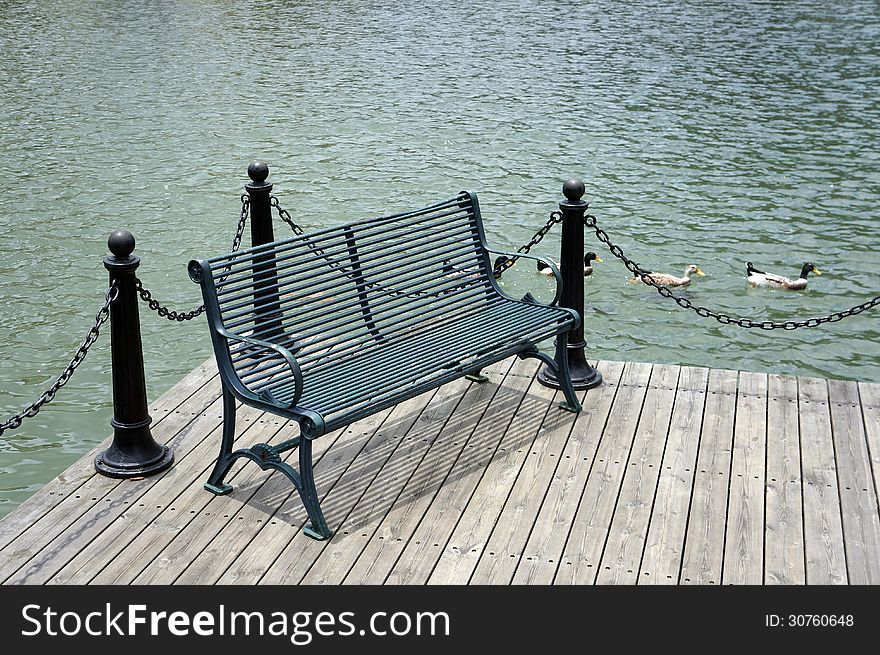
point(90, 454)
point(729, 482)
point(871, 455)
point(167, 506)
point(657, 482)
point(766, 483)
point(379, 519)
point(699, 445)
point(452, 467)
point(577, 508)
point(543, 497)
point(512, 485)
point(846, 553)
point(445, 477)
point(632, 442)
point(336, 434)
point(97, 499)
point(334, 485)
point(237, 468)
point(242, 466)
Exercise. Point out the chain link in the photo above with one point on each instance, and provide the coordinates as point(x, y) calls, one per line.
point(48, 395)
point(503, 265)
point(173, 315)
point(725, 319)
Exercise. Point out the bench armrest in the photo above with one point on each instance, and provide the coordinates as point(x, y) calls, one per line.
point(280, 351)
point(549, 262)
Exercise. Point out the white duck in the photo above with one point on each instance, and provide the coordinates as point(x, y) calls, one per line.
point(761, 279)
point(668, 280)
point(543, 269)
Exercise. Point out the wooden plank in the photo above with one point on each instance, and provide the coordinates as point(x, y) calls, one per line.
point(402, 482)
point(704, 543)
point(170, 504)
point(457, 437)
point(586, 541)
point(99, 496)
point(744, 544)
point(293, 562)
point(823, 530)
point(67, 483)
point(784, 533)
point(494, 437)
point(858, 500)
point(664, 543)
point(629, 525)
point(542, 552)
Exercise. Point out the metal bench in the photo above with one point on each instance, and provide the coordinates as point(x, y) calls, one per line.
point(330, 327)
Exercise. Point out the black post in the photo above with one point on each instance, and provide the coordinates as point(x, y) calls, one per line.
point(571, 265)
point(134, 452)
point(267, 307)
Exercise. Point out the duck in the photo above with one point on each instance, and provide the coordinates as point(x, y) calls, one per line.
point(761, 279)
point(668, 280)
point(543, 269)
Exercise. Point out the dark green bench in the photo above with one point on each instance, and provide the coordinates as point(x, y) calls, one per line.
point(333, 326)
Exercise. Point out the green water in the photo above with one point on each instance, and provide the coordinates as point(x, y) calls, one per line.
point(713, 133)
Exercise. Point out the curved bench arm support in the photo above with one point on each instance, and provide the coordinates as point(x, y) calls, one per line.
point(556, 273)
point(279, 351)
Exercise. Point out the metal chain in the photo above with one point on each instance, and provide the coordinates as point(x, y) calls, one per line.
point(160, 309)
point(172, 315)
point(239, 231)
point(501, 266)
point(725, 319)
point(48, 395)
point(286, 217)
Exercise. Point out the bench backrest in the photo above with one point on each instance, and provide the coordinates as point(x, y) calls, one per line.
point(330, 293)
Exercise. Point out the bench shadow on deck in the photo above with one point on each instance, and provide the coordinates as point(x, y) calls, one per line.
point(670, 475)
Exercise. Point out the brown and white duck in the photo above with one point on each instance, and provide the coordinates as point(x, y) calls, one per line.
point(668, 280)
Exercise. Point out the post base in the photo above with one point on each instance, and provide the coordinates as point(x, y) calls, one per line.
point(583, 377)
point(108, 463)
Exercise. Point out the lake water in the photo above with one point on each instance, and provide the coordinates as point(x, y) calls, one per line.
point(713, 133)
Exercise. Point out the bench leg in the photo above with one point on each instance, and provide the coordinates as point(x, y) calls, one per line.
point(559, 365)
point(563, 375)
point(476, 376)
point(215, 482)
point(309, 494)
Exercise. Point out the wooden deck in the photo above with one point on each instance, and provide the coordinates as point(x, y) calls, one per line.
point(670, 475)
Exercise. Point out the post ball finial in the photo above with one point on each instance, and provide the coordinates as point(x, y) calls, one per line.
point(258, 171)
point(573, 189)
point(121, 243)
